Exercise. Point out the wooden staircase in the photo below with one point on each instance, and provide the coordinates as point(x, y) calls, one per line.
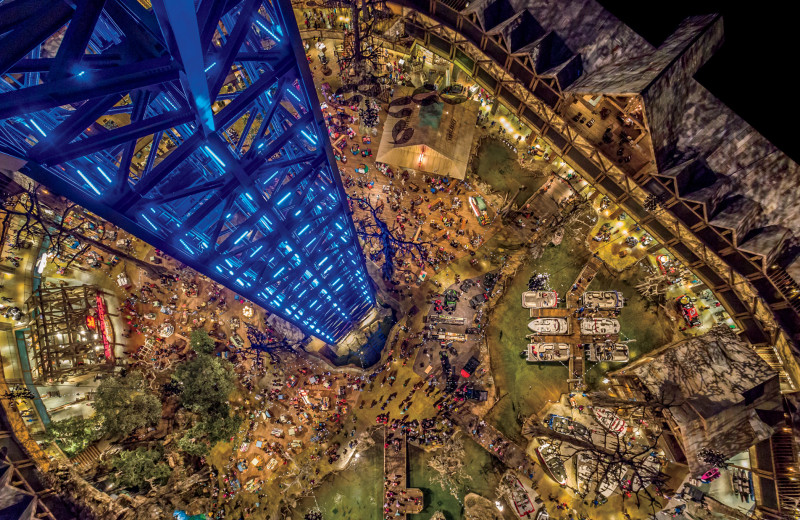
point(770, 355)
point(87, 457)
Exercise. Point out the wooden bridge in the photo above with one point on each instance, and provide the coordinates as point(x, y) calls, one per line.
point(582, 282)
point(397, 496)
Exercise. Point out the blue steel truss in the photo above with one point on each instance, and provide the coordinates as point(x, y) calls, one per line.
point(194, 125)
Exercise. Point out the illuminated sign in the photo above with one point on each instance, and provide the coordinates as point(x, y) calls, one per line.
point(91, 322)
point(101, 318)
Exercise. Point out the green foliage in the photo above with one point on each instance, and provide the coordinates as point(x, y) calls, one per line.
point(216, 427)
point(221, 427)
point(206, 383)
point(139, 469)
point(74, 434)
point(125, 404)
point(194, 442)
point(201, 342)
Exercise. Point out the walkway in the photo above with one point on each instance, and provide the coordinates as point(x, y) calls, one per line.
point(507, 451)
point(397, 496)
point(582, 282)
point(576, 340)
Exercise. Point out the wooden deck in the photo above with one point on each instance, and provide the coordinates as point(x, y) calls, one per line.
point(582, 282)
point(574, 338)
point(399, 497)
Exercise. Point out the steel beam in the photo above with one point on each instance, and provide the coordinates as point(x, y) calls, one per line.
point(247, 191)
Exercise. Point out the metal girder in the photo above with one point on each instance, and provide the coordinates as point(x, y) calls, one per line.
point(245, 190)
point(73, 46)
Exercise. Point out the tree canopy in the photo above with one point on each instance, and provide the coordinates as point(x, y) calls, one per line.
point(140, 469)
point(199, 439)
point(205, 382)
point(74, 434)
point(125, 404)
point(201, 342)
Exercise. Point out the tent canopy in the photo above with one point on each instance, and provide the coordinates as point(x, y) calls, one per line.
point(426, 133)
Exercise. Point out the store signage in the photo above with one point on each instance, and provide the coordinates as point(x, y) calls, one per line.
point(101, 319)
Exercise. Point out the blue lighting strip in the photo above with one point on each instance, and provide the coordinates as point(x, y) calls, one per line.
point(217, 202)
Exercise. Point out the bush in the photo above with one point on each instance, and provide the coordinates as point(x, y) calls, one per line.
point(139, 469)
point(201, 342)
point(73, 435)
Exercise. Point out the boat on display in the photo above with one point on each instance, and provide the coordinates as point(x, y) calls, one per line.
point(584, 471)
point(558, 236)
point(481, 211)
point(540, 352)
point(555, 326)
point(649, 469)
point(602, 300)
point(611, 480)
point(609, 352)
point(610, 421)
point(598, 326)
point(540, 299)
point(591, 477)
point(566, 426)
point(519, 497)
point(550, 457)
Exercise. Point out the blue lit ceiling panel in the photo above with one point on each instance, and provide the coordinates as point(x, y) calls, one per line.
point(196, 128)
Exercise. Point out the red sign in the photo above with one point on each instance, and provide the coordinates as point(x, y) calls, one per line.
point(101, 317)
point(91, 322)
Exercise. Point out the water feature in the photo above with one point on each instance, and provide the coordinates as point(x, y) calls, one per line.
point(352, 494)
point(529, 386)
point(370, 351)
point(497, 165)
point(484, 469)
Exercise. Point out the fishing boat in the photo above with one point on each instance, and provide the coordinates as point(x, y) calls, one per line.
point(558, 236)
point(584, 470)
point(541, 352)
point(566, 426)
point(609, 352)
point(611, 480)
point(551, 461)
point(519, 497)
point(549, 326)
point(610, 421)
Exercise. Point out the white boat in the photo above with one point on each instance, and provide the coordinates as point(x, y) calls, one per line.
point(603, 300)
point(610, 421)
point(590, 477)
point(549, 326)
point(598, 326)
point(609, 352)
point(539, 300)
point(550, 457)
point(611, 480)
point(584, 471)
point(539, 352)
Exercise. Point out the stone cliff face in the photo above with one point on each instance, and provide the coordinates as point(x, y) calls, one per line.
point(90, 503)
